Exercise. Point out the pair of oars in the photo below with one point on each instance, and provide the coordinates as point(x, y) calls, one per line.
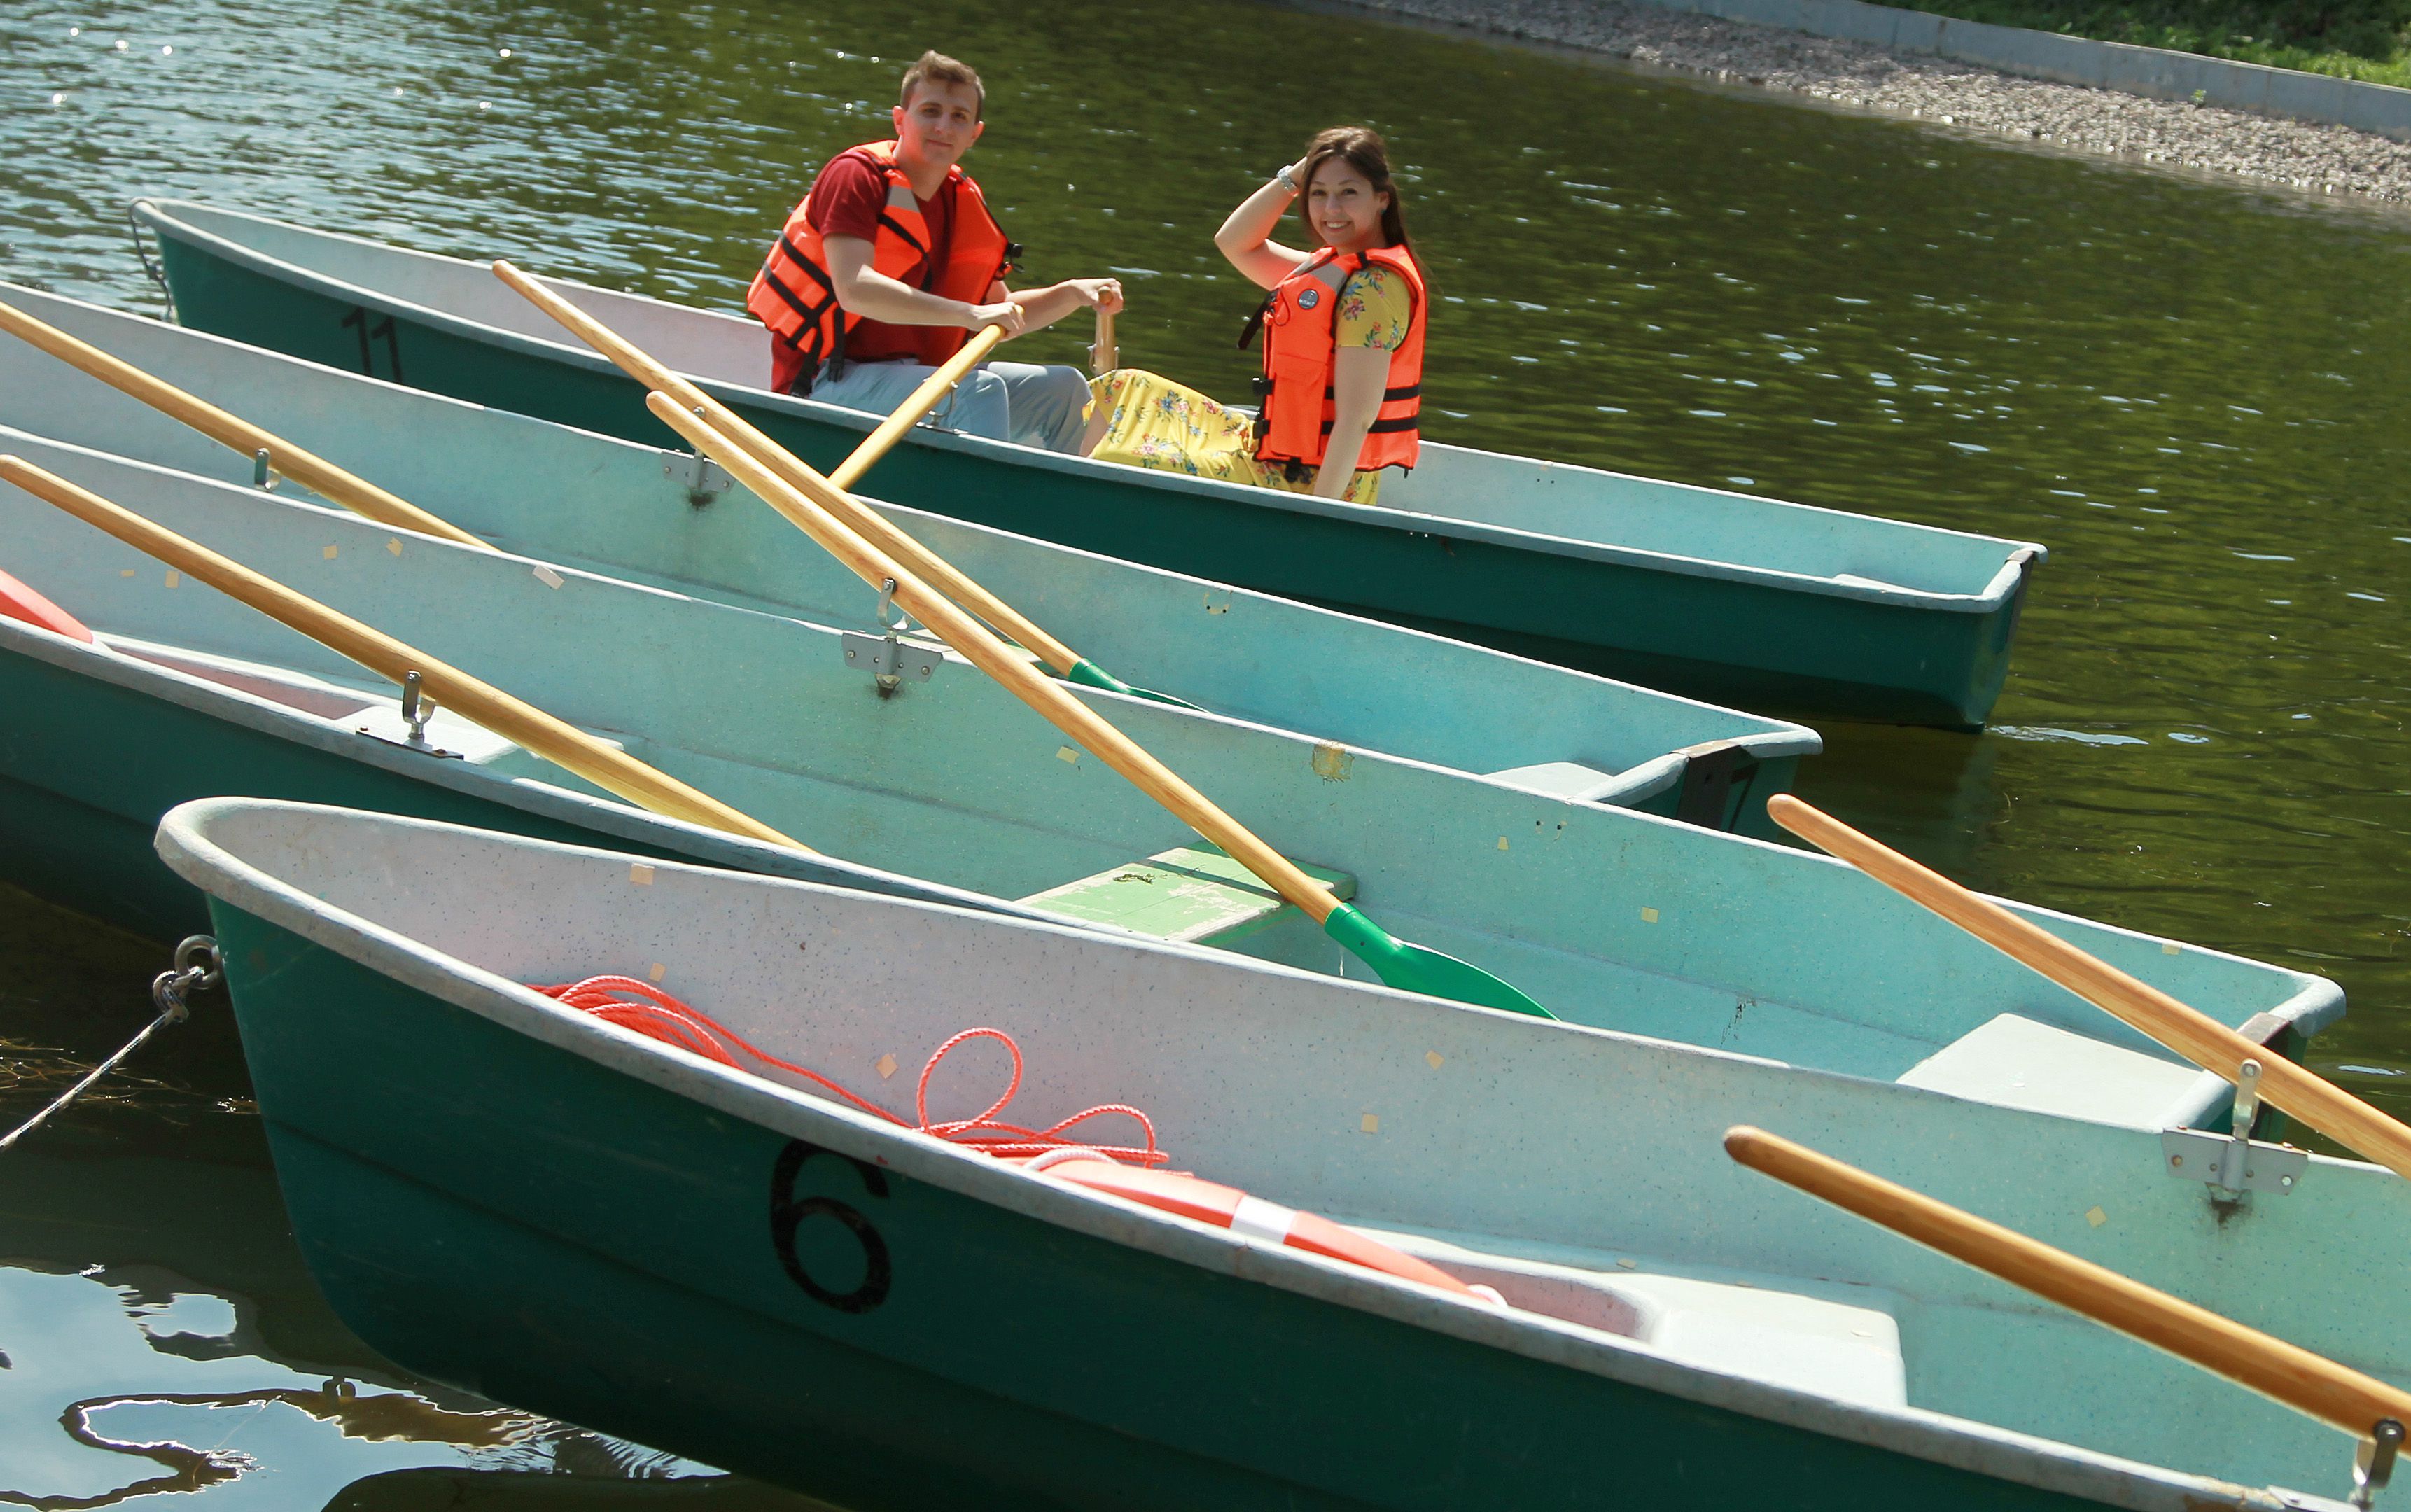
point(857, 517)
point(870, 546)
point(2371, 1410)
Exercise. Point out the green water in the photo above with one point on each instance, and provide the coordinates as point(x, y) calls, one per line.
point(2197, 394)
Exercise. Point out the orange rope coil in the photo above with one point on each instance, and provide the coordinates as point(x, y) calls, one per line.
point(661, 1016)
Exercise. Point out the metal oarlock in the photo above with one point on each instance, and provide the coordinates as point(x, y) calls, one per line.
point(2372, 1461)
point(2247, 1099)
point(260, 477)
point(2238, 1163)
point(885, 654)
point(887, 602)
point(415, 712)
point(198, 966)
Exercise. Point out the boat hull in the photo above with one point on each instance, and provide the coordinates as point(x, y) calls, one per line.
point(1753, 642)
point(451, 1202)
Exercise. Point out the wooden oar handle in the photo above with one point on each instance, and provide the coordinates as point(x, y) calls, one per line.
point(917, 405)
point(2190, 1032)
point(566, 746)
point(869, 523)
point(1103, 357)
point(809, 508)
point(2309, 1383)
point(307, 469)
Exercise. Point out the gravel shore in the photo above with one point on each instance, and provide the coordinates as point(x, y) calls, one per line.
point(2321, 158)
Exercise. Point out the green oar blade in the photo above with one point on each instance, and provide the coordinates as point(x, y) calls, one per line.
point(1089, 675)
point(1418, 969)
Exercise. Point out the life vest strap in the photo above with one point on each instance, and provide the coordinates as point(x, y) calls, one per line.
point(1389, 396)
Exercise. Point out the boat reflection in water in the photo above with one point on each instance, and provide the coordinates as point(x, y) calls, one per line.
point(123, 1383)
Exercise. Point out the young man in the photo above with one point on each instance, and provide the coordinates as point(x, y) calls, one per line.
point(893, 259)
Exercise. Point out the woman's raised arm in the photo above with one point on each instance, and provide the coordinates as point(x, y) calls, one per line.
point(1245, 238)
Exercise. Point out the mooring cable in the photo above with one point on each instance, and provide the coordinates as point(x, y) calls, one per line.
point(168, 989)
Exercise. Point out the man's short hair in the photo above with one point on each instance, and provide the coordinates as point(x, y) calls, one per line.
point(935, 68)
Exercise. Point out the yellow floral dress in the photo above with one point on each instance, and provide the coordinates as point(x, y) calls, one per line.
point(1165, 426)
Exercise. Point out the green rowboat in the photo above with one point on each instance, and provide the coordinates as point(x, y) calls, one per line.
point(637, 513)
point(1716, 595)
point(518, 1199)
point(1605, 916)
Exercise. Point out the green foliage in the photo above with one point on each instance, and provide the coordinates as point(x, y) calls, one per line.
point(2356, 38)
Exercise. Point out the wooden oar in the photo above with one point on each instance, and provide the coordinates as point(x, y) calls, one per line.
point(614, 771)
point(2310, 1384)
point(866, 523)
point(2203, 1039)
point(915, 406)
point(307, 469)
point(813, 508)
point(1103, 357)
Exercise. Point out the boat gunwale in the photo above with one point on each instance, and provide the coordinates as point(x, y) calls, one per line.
point(1958, 1442)
point(1999, 591)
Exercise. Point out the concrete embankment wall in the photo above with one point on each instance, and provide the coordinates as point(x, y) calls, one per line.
point(2075, 60)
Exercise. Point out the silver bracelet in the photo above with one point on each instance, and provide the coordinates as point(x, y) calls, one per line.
point(1286, 179)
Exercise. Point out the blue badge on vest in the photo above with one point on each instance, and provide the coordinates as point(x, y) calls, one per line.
point(1308, 298)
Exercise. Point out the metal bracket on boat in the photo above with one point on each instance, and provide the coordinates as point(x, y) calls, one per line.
point(2372, 1461)
point(885, 654)
point(416, 712)
point(260, 477)
point(704, 479)
point(2236, 1162)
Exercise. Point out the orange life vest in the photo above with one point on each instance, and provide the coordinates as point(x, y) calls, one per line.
point(1301, 325)
point(797, 298)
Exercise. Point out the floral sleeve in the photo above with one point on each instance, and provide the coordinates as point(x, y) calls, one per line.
point(1375, 308)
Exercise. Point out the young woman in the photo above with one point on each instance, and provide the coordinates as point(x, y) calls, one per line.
point(1343, 333)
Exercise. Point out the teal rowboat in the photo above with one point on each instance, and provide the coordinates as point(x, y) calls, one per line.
point(1605, 916)
point(1718, 595)
point(509, 1196)
point(630, 511)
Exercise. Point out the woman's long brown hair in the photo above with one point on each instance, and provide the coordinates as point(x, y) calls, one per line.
point(1369, 156)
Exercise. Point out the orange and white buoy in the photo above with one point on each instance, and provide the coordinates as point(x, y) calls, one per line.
point(18, 602)
point(1227, 1207)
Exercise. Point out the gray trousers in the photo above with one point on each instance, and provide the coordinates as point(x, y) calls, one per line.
point(1017, 401)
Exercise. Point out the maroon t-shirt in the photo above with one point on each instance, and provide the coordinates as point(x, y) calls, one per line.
point(848, 197)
